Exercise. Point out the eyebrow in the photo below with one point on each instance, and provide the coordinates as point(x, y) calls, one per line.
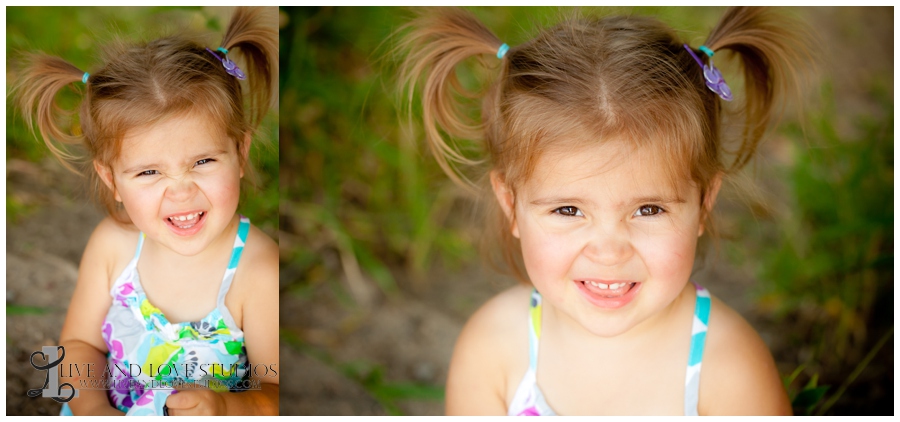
point(635, 201)
point(195, 158)
point(556, 200)
point(658, 200)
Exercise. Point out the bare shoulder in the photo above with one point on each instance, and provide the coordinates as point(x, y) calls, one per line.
point(260, 253)
point(739, 376)
point(486, 352)
point(112, 245)
point(257, 272)
point(109, 249)
point(503, 314)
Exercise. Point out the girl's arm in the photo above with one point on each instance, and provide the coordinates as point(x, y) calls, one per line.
point(739, 376)
point(493, 341)
point(261, 334)
point(81, 334)
point(260, 326)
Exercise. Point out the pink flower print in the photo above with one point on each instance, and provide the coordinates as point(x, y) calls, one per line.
point(114, 346)
point(531, 411)
point(145, 398)
point(124, 290)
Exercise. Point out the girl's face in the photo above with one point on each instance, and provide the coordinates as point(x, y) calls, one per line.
point(605, 237)
point(179, 181)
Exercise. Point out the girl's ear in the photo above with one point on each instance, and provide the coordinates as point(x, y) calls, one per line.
point(107, 178)
point(245, 151)
point(709, 201)
point(506, 199)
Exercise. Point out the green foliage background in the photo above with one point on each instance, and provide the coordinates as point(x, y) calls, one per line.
point(76, 34)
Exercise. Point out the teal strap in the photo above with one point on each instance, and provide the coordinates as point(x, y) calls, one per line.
point(705, 49)
point(695, 357)
point(239, 242)
point(140, 245)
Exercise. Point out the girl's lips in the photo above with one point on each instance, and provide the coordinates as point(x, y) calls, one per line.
point(607, 298)
point(186, 224)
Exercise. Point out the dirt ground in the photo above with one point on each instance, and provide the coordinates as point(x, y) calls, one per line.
point(339, 358)
point(43, 250)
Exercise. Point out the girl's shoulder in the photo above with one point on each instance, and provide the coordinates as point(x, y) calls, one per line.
point(113, 244)
point(490, 354)
point(258, 268)
point(260, 255)
point(739, 375)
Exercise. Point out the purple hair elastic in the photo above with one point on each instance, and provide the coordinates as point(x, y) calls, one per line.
point(229, 65)
point(714, 80)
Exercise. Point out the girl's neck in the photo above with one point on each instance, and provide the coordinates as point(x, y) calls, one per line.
point(211, 255)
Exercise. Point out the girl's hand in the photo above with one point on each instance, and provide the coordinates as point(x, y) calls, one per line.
point(196, 402)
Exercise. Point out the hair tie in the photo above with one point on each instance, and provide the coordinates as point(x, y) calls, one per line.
point(705, 49)
point(230, 67)
point(85, 77)
point(502, 51)
point(714, 80)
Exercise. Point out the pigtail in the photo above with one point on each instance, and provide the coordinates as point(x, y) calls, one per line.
point(35, 93)
point(258, 42)
point(434, 48)
point(772, 49)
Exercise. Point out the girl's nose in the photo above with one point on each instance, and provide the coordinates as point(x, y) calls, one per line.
point(609, 246)
point(181, 189)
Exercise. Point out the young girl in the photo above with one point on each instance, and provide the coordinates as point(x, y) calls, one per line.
point(605, 156)
point(176, 307)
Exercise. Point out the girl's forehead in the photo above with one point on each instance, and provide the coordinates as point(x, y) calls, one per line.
point(179, 134)
point(613, 163)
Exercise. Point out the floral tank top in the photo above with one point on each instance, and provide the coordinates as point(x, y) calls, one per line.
point(149, 357)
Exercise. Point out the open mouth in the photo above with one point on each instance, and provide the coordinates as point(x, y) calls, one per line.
point(608, 289)
point(187, 223)
point(608, 294)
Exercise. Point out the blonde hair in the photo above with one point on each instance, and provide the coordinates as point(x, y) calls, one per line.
point(589, 80)
point(140, 84)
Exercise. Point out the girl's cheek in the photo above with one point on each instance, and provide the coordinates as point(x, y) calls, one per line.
point(548, 253)
point(672, 254)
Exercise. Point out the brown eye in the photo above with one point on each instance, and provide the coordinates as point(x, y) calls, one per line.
point(568, 211)
point(648, 210)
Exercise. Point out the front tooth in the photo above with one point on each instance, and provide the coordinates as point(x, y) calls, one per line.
point(615, 286)
point(182, 218)
point(602, 286)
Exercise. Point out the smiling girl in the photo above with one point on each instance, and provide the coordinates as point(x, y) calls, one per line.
point(605, 157)
point(174, 282)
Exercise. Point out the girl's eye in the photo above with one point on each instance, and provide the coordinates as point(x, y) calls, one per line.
point(648, 210)
point(203, 161)
point(148, 173)
point(569, 211)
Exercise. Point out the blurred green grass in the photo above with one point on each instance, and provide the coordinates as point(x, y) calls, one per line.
point(76, 34)
point(361, 199)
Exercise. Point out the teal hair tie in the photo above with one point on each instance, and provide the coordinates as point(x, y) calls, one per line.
point(502, 51)
point(85, 77)
point(705, 49)
point(223, 50)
